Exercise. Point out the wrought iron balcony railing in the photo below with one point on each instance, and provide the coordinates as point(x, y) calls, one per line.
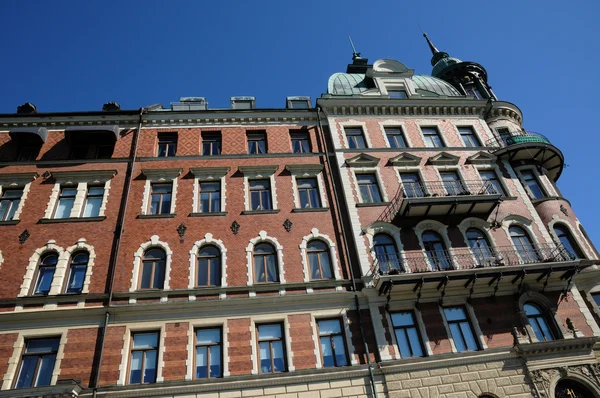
point(464, 258)
point(517, 137)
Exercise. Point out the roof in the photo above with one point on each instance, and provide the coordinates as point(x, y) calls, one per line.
point(355, 84)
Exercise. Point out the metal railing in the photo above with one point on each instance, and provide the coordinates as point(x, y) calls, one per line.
point(516, 137)
point(466, 258)
point(436, 189)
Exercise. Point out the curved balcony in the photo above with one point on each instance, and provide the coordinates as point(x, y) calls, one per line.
point(530, 146)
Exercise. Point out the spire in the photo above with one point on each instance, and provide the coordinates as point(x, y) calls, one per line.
point(437, 54)
point(433, 49)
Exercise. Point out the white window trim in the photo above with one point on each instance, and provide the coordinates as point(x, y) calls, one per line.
point(191, 347)
point(159, 176)
point(264, 237)
point(210, 174)
point(471, 317)
point(388, 229)
point(398, 124)
point(481, 225)
point(316, 235)
point(259, 173)
point(15, 181)
point(496, 170)
point(368, 170)
point(545, 191)
point(345, 323)
point(14, 361)
point(137, 261)
point(208, 240)
point(590, 320)
point(310, 171)
point(1, 258)
point(265, 320)
point(81, 181)
point(438, 126)
point(566, 224)
point(126, 351)
point(80, 246)
point(354, 123)
point(442, 230)
point(34, 261)
point(398, 307)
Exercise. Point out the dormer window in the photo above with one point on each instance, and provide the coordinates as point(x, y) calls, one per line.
point(92, 142)
point(29, 142)
point(397, 94)
point(298, 102)
point(243, 102)
point(472, 90)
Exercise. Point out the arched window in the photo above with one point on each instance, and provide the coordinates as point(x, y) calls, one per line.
point(436, 251)
point(209, 266)
point(538, 322)
point(571, 249)
point(153, 269)
point(45, 274)
point(265, 264)
point(480, 246)
point(319, 261)
point(523, 245)
point(568, 388)
point(386, 253)
point(77, 270)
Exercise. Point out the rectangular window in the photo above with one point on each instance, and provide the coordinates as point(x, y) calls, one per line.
point(468, 137)
point(93, 201)
point(491, 182)
point(452, 183)
point(531, 181)
point(596, 297)
point(242, 104)
point(37, 362)
point(300, 141)
point(355, 137)
point(368, 187)
point(300, 104)
point(91, 151)
point(211, 144)
point(208, 353)
point(9, 203)
point(160, 199)
point(333, 345)
point(407, 334)
point(308, 192)
point(460, 329)
point(28, 153)
point(271, 348)
point(432, 137)
point(413, 187)
point(144, 358)
point(257, 143)
point(397, 94)
point(210, 197)
point(471, 89)
point(167, 144)
point(260, 195)
point(65, 203)
point(395, 137)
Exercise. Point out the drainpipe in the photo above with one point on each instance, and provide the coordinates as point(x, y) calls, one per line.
point(117, 242)
point(347, 250)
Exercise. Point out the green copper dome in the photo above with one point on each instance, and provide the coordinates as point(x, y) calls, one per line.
point(443, 63)
point(355, 84)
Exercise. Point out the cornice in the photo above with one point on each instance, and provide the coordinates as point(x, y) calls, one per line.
point(65, 122)
point(18, 178)
point(258, 170)
point(83, 175)
point(209, 171)
point(162, 173)
point(224, 117)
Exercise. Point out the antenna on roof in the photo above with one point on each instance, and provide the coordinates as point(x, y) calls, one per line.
point(354, 53)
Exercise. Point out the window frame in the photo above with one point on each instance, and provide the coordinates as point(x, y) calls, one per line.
point(88, 196)
point(308, 191)
point(210, 193)
point(60, 196)
point(542, 314)
point(154, 260)
point(12, 201)
point(415, 325)
point(39, 266)
point(220, 344)
point(219, 258)
point(38, 363)
point(304, 137)
point(341, 333)
point(326, 250)
point(260, 195)
point(213, 139)
point(427, 137)
point(257, 136)
point(65, 286)
point(535, 179)
point(375, 182)
point(131, 350)
point(468, 320)
point(472, 137)
point(169, 139)
point(265, 265)
point(388, 131)
point(578, 253)
point(497, 179)
point(283, 347)
point(160, 203)
point(355, 131)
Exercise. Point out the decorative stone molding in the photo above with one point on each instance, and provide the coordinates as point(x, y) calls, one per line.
point(34, 260)
point(126, 350)
point(208, 240)
point(443, 159)
point(442, 230)
point(80, 246)
point(307, 171)
point(363, 160)
point(159, 175)
point(264, 237)
point(481, 158)
point(392, 123)
point(354, 123)
point(316, 235)
point(259, 172)
point(548, 308)
point(138, 257)
point(546, 380)
point(559, 221)
point(209, 174)
point(388, 229)
point(405, 159)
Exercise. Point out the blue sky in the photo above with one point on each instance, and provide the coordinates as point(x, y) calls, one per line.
point(76, 55)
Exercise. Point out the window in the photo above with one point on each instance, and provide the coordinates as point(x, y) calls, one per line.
point(538, 323)
point(596, 297)
point(480, 246)
point(265, 264)
point(523, 245)
point(356, 139)
point(369, 190)
point(567, 242)
point(153, 269)
point(144, 358)
point(468, 137)
point(491, 183)
point(160, 199)
point(28, 153)
point(308, 192)
point(257, 143)
point(45, 274)
point(386, 253)
point(413, 188)
point(243, 104)
point(319, 261)
point(91, 151)
point(77, 270)
point(460, 329)
point(432, 137)
point(167, 144)
point(531, 182)
point(452, 183)
point(211, 144)
point(333, 345)
point(209, 266)
point(407, 334)
point(300, 141)
point(436, 251)
point(9, 203)
point(37, 362)
point(270, 347)
point(260, 195)
point(395, 137)
point(93, 201)
point(471, 89)
point(65, 203)
point(397, 94)
point(300, 104)
point(208, 353)
point(210, 197)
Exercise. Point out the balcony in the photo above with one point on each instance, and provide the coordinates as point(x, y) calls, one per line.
point(529, 146)
point(441, 198)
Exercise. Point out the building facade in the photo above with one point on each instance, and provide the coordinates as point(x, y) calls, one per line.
point(405, 237)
